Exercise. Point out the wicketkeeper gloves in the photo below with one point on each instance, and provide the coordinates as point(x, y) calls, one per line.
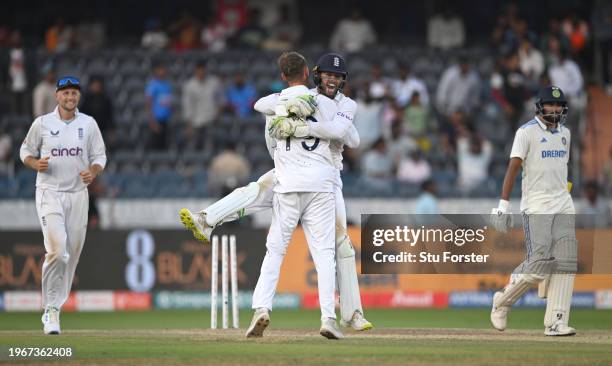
point(284, 127)
point(301, 106)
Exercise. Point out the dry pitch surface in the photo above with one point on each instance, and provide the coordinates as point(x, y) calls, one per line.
point(128, 342)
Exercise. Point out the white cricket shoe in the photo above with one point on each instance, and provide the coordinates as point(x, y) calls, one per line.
point(50, 320)
point(357, 322)
point(329, 329)
point(559, 329)
point(259, 323)
point(197, 224)
point(499, 314)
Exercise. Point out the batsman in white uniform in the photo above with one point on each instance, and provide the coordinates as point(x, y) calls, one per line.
point(541, 147)
point(257, 196)
point(66, 148)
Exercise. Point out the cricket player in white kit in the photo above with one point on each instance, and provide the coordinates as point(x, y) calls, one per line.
point(304, 192)
point(329, 76)
point(72, 155)
point(541, 147)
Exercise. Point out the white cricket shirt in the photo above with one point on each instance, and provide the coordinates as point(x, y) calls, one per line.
point(545, 155)
point(71, 147)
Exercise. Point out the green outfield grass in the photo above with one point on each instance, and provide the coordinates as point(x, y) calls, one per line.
point(416, 337)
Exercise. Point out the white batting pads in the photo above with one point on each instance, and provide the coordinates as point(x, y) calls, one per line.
point(559, 300)
point(519, 284)
point(522, 282)
point(348, 284)
point(232, 203)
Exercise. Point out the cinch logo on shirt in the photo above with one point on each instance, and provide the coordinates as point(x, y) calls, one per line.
point(74, 151)
point(345, 116)
point(553, 153)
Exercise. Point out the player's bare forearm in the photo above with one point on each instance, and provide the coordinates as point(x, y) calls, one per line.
point(40, 165)
point(88, 175)
point(96, 169)
point(513, 169)
point(30, 162)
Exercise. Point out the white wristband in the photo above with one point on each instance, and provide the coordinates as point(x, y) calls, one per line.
point(503, 205)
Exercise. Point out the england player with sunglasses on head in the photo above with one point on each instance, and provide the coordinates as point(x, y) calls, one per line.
point(66, 148)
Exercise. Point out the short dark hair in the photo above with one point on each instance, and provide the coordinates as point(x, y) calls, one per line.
point(292, 64)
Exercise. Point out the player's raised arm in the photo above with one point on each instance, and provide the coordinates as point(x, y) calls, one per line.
point(338, 127)
point(266, 104)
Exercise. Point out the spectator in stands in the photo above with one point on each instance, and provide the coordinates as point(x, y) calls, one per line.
point(376, 163)
point(474, 154)
point(380, 87)
point(214, 35)
point(553, 32)
point(59, 37)
point(285, 33)
point(202, 95)
point(18, 76)
point(577, 32)
point(185, 32)
point(597, 212)
point(90, 34)
point(503, 33)
point(510, 29)
point(414, 168)
point(43, 96)
point(97, 104)
point(154, 37)
point(427, 203)
point(564, 72)
point(607, 175)
point(367, 119)
point(406, 85)
point(416, 116)
point(159, 105)
point(509, 88)
point(602, 28)
point(531, 61)
point(399, 143)
point(445, 30)
point(352, 34)
point(252, 35)
point(232, 14)
point(6, 149)
point(228, 170)
point(241, 96)
point(459, 89)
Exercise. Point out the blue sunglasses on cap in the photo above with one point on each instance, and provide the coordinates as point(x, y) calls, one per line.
point(68, 81)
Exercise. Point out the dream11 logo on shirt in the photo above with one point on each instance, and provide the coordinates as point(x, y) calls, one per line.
point(73, 151)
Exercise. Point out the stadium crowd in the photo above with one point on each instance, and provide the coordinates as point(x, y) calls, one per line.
point(176, 112)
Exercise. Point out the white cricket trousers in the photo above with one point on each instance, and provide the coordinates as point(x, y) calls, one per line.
point(63, 218)
point(317, 212)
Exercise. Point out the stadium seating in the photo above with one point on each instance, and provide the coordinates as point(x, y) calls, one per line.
point(137, 172)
